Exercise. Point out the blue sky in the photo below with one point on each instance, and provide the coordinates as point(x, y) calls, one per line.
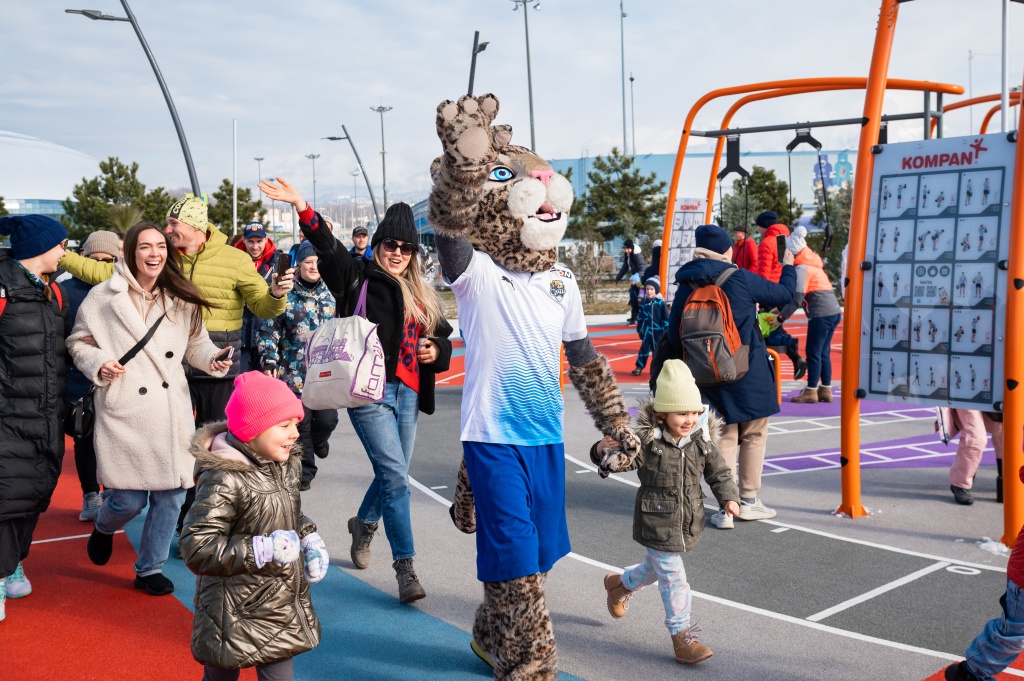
point(291, 73)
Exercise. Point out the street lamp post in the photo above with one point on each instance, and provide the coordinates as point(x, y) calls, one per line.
point(96, 15)
point(259, 174)
point(622, 40)
point(273, 207)
point(529, 76)
point(478, 47)
point(313, 158)
point(383, 164)
point(369, 189)
point(632, 113)
point(355, 193)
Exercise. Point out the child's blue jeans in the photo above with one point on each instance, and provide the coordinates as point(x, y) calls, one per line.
point(665, 568)
point(1002, 639)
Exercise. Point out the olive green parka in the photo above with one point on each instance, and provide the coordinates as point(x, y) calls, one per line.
point(245, 615)
point(668, 514)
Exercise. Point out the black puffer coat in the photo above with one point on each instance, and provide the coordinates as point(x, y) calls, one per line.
point(32, 332)
point(245, 615)
point(384, 306)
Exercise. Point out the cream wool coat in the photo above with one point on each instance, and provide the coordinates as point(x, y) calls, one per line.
point(144, 418)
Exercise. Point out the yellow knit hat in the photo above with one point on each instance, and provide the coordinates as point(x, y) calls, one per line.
point(191, 211)
point(676, 389)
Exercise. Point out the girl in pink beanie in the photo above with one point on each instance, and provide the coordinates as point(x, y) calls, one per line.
point(253, 551)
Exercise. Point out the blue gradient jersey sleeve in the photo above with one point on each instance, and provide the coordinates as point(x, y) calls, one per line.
point(513, 324)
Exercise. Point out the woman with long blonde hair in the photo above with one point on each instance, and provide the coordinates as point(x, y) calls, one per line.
point(414, 335)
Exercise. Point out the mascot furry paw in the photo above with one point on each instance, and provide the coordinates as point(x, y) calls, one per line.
point(498, 212)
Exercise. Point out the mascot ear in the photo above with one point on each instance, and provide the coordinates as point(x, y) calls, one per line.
point(502, 136)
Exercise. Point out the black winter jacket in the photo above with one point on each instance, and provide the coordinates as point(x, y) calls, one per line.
point(384, 305)
point(32, 333)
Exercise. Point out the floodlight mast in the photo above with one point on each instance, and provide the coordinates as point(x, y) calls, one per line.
point(346, 136)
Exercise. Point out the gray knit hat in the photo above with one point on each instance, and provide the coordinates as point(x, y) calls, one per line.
point(102, 241)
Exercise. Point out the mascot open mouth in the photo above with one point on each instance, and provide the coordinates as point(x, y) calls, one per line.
point(547, 213)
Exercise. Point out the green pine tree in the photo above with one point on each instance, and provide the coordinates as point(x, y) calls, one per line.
point(3, 208)
point(839, 203)
point(104, 202)
point(619, 201)
point(249, 209)
point(760, 192)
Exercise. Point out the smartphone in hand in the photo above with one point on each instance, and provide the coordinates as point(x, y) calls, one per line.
point(284, 263)
point(224, 354)
point(780, 246)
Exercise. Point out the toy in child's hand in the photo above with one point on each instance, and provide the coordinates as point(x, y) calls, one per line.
point(282, 546)
point(314, 557)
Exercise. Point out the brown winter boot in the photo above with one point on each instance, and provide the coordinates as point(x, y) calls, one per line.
point(362, 535)
point(806, 396)
point(618, 595)
point(409, 588)
point(688, 650)
point(824, 393)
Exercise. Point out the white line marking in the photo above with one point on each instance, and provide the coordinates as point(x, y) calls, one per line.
point(450, 378)
point(779, 530)
point(584, 471)
point(439, 487)
point(74, 536)
point(857, 600)
point(591, 467)
point(429, 492)
point(794, 620)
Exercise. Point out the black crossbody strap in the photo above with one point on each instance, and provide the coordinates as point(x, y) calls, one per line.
point(142, 343)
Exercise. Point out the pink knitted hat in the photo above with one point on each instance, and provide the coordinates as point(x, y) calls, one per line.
point(259, 402)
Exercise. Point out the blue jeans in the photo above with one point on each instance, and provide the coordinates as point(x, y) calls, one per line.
point(387, 430)
point(1002, 639)
point(121, 505)
point(819, 349)
point(667, 570)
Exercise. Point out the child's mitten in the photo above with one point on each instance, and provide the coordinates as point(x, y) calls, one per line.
point(314, 557)
point(281, 546)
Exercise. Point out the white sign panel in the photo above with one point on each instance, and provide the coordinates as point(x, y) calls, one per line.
point(687, 216)
point(934, 305)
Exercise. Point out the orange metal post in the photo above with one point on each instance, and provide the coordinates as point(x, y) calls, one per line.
point(1014, 101)
point(1013, 401)
point(860, 210)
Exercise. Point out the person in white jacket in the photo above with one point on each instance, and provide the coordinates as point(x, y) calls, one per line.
point(143, 411)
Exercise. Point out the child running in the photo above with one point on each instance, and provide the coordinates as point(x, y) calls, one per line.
point(245, 535)
point(651, 322)
point(680, 443)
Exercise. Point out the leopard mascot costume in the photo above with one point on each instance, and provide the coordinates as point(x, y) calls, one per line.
point(498, 211)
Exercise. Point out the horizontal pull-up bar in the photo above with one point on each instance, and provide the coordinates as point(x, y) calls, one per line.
point(807, 124)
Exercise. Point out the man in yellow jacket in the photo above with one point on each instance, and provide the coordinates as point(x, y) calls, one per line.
point(227, 279)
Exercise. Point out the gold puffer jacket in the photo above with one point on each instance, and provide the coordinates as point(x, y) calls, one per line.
point(245, 615)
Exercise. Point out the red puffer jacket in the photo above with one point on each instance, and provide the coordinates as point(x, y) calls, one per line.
point(768, 265)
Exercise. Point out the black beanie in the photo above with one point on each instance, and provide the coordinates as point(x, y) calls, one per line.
point(398, 224)
point(628, 243)
point(766, 219)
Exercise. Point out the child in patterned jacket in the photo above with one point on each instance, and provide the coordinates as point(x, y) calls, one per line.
point(281, 348)
point(651, 322)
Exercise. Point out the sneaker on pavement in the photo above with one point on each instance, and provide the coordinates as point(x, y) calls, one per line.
point(155, 584)
point(962, 495)
point(18, 585)
point(959, 672)
point(637, 371)
point(362, 534)
point(3, 598)
point(755, 511)
point(722, 520)
point(91, 503)
point(687, 649)
point(799, 368)
point(618, 595)
point(824, 393)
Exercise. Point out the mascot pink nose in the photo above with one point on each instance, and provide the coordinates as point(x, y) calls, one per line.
point(542, 175)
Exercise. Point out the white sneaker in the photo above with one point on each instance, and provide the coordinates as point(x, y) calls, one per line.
point(3, 598)
point(18, 585)
point(722, 520)
point(755, 511)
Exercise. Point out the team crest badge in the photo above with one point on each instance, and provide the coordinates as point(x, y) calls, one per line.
point(557, 289)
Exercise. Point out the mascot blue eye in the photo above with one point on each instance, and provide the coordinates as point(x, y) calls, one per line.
point(501, 174)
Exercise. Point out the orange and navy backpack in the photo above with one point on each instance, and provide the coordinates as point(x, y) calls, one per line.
point(712, 347)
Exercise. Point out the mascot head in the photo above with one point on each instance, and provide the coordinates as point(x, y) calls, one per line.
point(504, 198)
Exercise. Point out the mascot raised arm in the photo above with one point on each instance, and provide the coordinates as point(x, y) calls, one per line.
point(498, 212)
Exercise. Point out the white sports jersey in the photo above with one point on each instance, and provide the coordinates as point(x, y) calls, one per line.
point(513, 325)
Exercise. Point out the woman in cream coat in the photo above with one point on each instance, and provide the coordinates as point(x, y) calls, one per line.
point(143, 411)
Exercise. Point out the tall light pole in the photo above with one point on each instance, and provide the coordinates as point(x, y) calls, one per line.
point(313, 158)
point(383, 163)
point(478, 47)
point(632, 113)
point(355, 193)
point(529, 75)
point(273, 207)
point(369, 188)
point(259, 175)
point(622, 41)
point(96, 15)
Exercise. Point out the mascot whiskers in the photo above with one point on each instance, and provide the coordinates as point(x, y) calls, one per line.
point(498, 212)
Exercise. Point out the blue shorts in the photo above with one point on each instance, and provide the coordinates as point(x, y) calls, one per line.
point(519, 492)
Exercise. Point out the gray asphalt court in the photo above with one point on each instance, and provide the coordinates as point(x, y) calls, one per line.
point(807, 595)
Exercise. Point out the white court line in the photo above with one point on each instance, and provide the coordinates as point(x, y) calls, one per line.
point(450, 378)
point(857, 600)
point(74, 536)
point(589, 466)
point(429, 492)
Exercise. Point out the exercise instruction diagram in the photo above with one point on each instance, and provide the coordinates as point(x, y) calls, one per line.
point(937, 234)
point(687, 216)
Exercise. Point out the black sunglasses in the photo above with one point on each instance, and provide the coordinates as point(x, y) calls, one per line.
point(391, 245)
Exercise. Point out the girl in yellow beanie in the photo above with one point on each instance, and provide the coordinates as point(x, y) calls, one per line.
point(680, 443)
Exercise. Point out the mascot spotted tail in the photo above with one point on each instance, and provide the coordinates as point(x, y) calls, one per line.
point(498, 212)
